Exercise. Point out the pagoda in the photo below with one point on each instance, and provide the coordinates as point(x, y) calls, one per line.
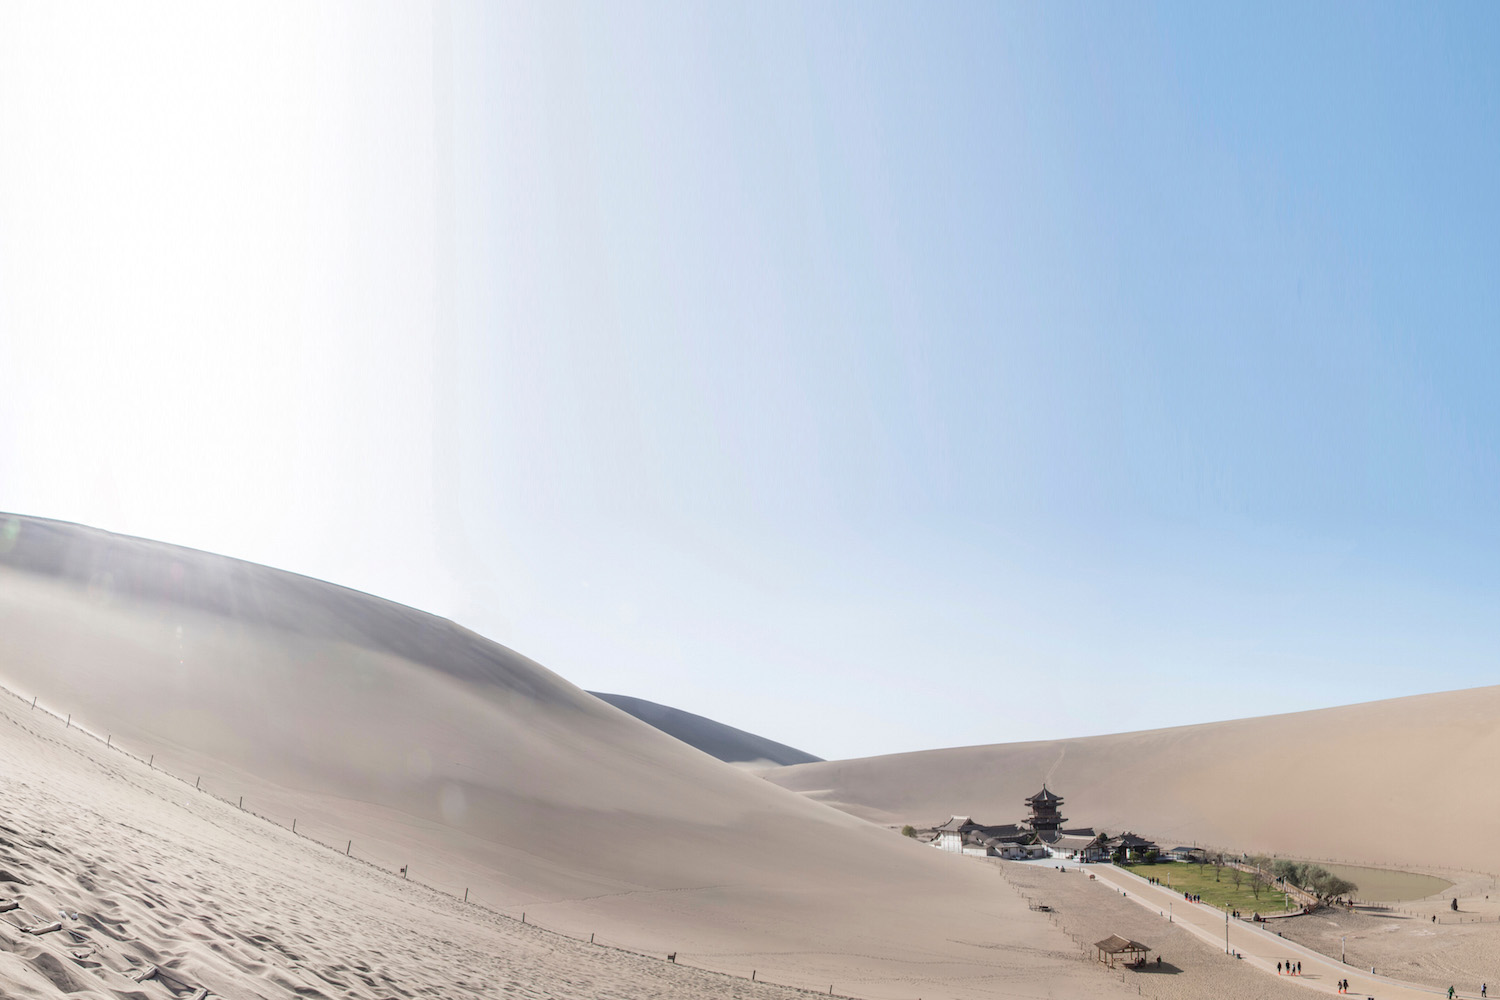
point(1045, 818)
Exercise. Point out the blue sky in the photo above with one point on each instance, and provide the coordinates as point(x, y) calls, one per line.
point(872, 377)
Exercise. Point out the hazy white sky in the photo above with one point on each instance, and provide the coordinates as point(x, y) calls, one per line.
point(870, 377)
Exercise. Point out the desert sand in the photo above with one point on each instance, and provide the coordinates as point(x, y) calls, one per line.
point(1090, 912)
point(190, 711)
point(724, 742)
point(432, 748)
point(143, 872)
point(1400, 783)
point(1423, 941)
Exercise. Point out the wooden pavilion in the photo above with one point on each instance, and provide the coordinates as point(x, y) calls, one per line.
point(1114, 946)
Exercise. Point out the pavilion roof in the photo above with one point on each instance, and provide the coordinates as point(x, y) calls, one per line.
point(1114, 944)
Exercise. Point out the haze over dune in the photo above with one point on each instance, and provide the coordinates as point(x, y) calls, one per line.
point(731, 745)
point(431, 746)
point(1404, 781)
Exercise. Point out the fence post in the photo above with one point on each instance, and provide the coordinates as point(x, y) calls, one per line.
point(109, 739)
point(466, 895)
point(152, 762)
point(70, 720)
point(349, 848)
point(199, 782)
point(294, 825)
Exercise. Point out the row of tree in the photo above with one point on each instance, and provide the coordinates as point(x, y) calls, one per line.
point(1315, 879)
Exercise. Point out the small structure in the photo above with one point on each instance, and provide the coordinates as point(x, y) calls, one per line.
point(1077, 845)
point(950, 836)
point(1017, 852)
point(1131, 847)
point(1197, 854)
point(1115, 946)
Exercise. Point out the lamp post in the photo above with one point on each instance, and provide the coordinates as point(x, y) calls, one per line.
point(1226, 928)
point(1341, 949)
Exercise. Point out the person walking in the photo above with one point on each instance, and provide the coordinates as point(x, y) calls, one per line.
point(1450, 993)
point(1278, 968)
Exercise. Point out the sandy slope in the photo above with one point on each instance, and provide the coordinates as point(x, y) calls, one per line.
point(430, 746)
point(142, 871)
point(731, 745)
point(1402, 782)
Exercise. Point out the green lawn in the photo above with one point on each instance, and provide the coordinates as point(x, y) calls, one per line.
point(1199, 879)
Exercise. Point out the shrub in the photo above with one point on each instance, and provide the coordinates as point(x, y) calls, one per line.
point(908, 831)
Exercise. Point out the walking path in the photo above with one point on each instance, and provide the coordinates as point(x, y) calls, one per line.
point(1260, 947)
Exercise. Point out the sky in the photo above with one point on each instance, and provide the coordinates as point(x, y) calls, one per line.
point(873, 377)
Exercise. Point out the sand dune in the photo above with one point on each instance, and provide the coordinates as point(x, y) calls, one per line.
point(1401, 782)
point(429, 746)
point(726, 743)
point(158, 891)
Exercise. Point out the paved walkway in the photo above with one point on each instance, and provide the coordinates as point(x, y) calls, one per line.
point(1259, 946)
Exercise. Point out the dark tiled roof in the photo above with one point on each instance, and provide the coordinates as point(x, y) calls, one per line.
point(1130, 840)
point(1072, 842)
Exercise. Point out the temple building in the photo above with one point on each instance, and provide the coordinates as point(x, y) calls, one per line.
point(1045, 817)
point(1039, 835)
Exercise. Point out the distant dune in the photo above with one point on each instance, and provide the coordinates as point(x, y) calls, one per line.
point(1407, 781)
point(428, 745)
point(731, 745)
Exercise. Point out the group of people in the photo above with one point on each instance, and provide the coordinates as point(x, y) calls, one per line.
point(1192, 897)
point(1343, 986)
point(1292, 968)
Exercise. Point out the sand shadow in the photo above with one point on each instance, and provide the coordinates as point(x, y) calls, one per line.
point(1153, 969)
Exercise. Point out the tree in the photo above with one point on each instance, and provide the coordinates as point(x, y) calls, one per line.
point(908, 831)
point(1237, 877)
point(1151, 857)
point(1324, 884)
